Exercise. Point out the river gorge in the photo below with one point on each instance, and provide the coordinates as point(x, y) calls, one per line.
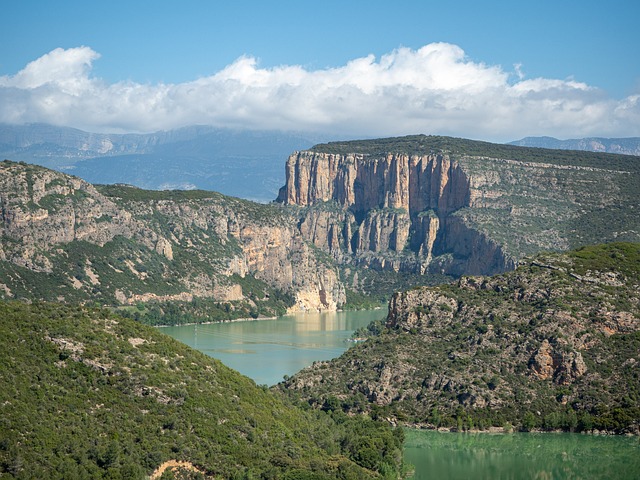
point(268, 350)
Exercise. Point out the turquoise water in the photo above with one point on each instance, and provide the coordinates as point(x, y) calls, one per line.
point(266, 350)
point(557, 456)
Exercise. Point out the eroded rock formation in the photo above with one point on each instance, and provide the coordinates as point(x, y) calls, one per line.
point(394, 203)
point(196, 245)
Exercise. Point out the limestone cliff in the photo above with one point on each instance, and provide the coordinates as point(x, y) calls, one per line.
point(124, 245)
point(431, 205)
point(361, 183)
point(393, 203)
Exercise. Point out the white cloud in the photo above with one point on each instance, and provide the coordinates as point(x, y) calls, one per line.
point(435, 90)
point(67, 69)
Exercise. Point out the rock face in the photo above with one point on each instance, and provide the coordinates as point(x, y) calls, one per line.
point(168, 246)
point(360, 183)
point(433, 205)
point(396, 203)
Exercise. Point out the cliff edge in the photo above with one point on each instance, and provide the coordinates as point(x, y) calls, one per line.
point(438, 205)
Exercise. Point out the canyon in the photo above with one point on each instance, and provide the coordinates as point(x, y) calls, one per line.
point(354, 220)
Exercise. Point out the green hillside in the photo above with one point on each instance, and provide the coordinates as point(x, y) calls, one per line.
point(86, 394)
point(552, 345)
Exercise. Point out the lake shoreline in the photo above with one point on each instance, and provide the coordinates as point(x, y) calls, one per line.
point(215, 322)
point(265, 351)
point(561, 456)
point(503, 431)
point(251, 319)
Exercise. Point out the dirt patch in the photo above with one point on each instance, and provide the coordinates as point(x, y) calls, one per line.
point(173, 465)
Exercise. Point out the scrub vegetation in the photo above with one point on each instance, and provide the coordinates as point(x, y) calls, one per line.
point(553, 345)
point(88, 394)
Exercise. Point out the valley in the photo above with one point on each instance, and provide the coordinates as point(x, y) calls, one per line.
point(355, 222)
point(511, 276)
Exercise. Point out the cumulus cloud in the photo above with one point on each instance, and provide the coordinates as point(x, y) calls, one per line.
point(435, 90)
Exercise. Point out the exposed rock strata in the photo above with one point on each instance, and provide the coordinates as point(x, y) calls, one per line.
point(42, 210)
point(394, 203)
point(454, 213)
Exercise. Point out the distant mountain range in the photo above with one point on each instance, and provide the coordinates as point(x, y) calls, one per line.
point(239, 163)
point(624, 146)
point(247, 164)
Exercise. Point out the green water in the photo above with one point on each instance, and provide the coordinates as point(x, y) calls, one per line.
point(442, 456)
point(266, 350)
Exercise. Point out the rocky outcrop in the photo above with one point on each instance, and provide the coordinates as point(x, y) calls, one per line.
point(547, 363)
point(382, 231)
point(170, 247)
point(392, 203)
point(43, 208)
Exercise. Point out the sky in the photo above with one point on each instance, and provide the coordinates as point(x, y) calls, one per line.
point(492, 70)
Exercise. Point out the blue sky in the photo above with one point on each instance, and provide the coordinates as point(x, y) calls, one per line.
point(489, 70)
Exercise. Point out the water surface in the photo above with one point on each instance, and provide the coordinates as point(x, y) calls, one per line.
point(552, 456)
point(266, 350)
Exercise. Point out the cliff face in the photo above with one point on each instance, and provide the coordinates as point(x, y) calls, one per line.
point(393, 203)
point(124, 245)
point(457, 213)
point(360, 183)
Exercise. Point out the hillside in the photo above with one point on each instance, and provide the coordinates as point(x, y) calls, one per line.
point(86, 394)
point(188, 255)
point(551, 345)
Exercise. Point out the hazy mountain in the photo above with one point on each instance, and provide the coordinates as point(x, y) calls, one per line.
point(246, 164)
point(625, 146)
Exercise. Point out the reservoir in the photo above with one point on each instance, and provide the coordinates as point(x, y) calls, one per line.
point(553, 456)
point(266, 350)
